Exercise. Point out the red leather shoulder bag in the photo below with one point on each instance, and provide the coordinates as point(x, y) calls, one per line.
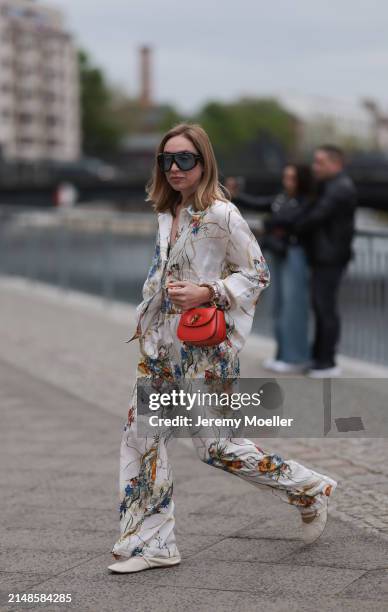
point(202, 326)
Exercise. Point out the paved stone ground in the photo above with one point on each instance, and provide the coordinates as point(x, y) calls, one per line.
point(65, 374)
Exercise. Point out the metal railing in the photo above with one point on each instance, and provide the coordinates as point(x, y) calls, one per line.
point(364, 299)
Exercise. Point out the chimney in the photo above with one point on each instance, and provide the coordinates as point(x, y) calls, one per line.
point(145, 77)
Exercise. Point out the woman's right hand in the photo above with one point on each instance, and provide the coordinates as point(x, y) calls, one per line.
point(186, 295)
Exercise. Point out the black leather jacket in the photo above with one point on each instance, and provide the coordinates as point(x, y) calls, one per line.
point(329, 225)
point(286, 211)
point(279, 225)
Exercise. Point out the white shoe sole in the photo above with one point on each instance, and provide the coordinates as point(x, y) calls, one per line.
point(281, 367)
point(140, 563)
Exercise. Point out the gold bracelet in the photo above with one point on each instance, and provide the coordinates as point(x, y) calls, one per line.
point(212, 293)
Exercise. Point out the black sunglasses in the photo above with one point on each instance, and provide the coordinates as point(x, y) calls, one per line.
point(185, 160)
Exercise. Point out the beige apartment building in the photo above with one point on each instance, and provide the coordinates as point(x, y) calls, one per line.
point(39, 84)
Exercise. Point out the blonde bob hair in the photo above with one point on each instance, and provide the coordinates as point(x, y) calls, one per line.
point(160, 192)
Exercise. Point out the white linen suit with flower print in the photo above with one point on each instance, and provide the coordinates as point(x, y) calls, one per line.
point(213, 246)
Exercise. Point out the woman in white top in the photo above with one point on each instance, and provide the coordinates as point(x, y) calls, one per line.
point(205, 253)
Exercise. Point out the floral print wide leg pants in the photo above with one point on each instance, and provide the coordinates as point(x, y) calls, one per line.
point(146, 484)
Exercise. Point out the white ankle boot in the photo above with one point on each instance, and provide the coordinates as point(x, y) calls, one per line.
point(314, 522)
point(139, 563)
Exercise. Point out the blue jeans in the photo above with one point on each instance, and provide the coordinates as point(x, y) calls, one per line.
point(290, 303)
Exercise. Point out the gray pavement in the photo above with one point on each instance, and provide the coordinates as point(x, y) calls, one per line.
point(65, 374)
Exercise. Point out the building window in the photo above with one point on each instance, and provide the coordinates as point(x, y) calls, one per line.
point(12, 11)
point(25, 141)
point(25, 118)
point(52, 120)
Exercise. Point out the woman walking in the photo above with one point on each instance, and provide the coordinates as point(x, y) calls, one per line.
point(205, 253)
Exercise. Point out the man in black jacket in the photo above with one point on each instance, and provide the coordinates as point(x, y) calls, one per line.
point(329, 228)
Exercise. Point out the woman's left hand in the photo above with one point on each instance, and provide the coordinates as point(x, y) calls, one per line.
point(186, 295)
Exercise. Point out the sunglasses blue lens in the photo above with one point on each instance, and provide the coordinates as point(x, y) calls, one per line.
point(184, 161)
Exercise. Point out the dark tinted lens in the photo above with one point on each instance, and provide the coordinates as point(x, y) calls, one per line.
point(164, 161)
point(185, 161)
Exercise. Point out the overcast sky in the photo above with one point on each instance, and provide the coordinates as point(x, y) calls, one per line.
point(252, 47)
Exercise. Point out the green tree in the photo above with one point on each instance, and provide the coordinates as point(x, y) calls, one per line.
point(234, 124)
point(101, 130)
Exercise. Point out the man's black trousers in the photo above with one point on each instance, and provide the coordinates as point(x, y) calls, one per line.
point(325, 284)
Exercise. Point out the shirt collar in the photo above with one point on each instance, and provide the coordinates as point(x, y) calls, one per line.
point(190, 210)
point(194, 213)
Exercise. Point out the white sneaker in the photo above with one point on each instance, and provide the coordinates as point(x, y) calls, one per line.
point(282, 367)
point(269, 364)
point(314, 522)
point(325, 372)
point(139, 563)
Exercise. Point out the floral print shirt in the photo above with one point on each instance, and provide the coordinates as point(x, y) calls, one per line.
point(212, 246)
